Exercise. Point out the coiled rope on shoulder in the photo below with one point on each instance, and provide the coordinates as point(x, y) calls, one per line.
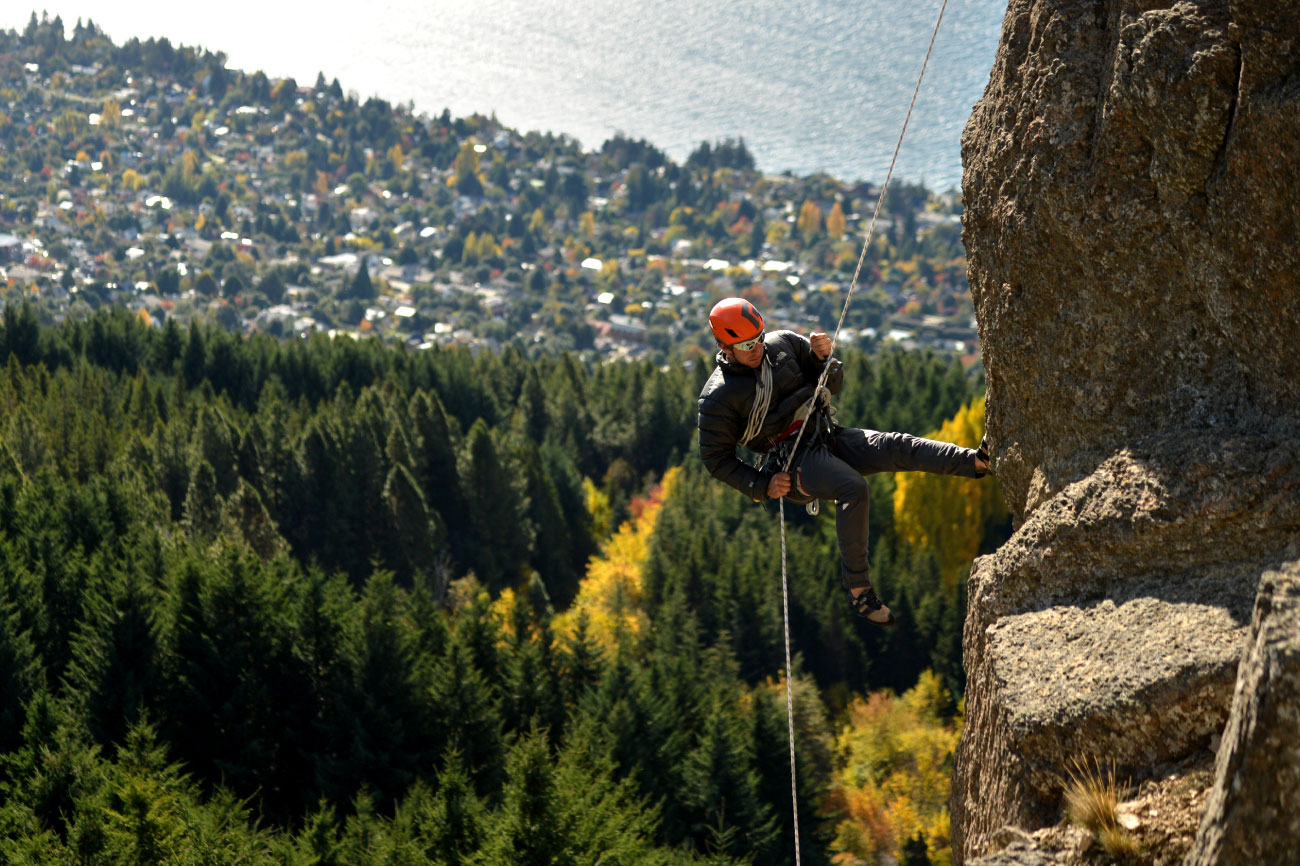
point(762, 400)
point(821, 385)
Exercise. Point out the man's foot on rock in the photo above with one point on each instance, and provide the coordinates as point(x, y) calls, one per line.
point(868, 605)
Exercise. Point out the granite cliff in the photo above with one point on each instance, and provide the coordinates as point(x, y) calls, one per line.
point(1132, 187)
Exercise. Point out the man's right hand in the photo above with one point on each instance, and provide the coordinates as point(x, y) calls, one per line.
point(779, 485)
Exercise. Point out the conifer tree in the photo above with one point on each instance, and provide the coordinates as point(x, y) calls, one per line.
point(194, 363)
point(324, 612)
point(433, 459)
point(214, 442)
point(722, 791)
point(414, 534)
point(558, 810)
point(318, 842)
point(530, 690)
point(20, 674)
point(20, 334)
point(581, 661)
point(55, 779)
point(466, 717)
point(146, 819)
point(203, 504)
point(553, 551)
point(386, 717)
point(246, 518)
point(499, 528)
point(113, 676)
point(319, 528)
point(452, 824)
point(560, 469)
point(360, 286)
point(235, 692)
point(532, 407)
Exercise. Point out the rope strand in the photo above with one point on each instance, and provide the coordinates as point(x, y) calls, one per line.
point(888, 175)
point(871, 228)
point(821, 384)
point(789, 689)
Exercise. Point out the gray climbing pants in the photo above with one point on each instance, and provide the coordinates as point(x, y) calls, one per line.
point(837, 472)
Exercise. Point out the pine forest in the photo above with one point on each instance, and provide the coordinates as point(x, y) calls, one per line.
point(336, 602)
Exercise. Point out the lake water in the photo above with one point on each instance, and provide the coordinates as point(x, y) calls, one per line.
point(817, 85)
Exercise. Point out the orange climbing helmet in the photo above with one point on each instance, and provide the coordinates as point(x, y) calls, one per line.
point(735, 320)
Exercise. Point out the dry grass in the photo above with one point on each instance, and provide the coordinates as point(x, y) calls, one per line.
point(1092, 796)
point(1118, 842)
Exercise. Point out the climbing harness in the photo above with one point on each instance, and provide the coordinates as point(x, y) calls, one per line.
point(821, 388)
point(815, 413)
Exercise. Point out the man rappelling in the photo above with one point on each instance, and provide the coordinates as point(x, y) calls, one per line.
point(762, 392)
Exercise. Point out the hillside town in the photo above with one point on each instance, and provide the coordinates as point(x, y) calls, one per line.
point(153, 177)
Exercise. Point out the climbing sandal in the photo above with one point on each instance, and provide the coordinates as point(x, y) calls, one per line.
point(869, 606)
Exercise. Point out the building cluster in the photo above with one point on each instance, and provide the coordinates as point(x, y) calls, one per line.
point(273, 216)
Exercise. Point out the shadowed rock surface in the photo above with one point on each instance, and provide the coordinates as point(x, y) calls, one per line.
point(1132, 225)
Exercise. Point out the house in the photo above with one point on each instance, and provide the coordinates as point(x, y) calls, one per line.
point(360, 218)
point(626, 328)
point(11, 248)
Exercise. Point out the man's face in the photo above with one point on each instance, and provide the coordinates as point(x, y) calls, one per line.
point(751, 358)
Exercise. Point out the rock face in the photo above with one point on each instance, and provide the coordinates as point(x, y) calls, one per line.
point(1132, 216)
point(1132, 226)
point(1254, 811)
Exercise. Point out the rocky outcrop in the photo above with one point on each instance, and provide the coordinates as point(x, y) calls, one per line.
point(1253, 815)
point(1109, 628)
point(1132, 190)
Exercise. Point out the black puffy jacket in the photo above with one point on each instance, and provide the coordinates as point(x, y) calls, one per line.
point(728, 396)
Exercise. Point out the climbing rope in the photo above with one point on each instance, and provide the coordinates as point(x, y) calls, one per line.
point(789, 698)
point(821, 386)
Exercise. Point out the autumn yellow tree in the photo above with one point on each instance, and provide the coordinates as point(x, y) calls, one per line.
point(944, 514)
point(611, 596)
point(835, 222)
point(486, 247)
point(132, 180)
point(190, 169)
point(809, 223)
point(895, 761)
point(111, 114)
point(469, 253)
point(466, 167)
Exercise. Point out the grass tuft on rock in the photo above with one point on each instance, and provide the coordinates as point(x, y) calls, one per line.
point(1092, 795)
